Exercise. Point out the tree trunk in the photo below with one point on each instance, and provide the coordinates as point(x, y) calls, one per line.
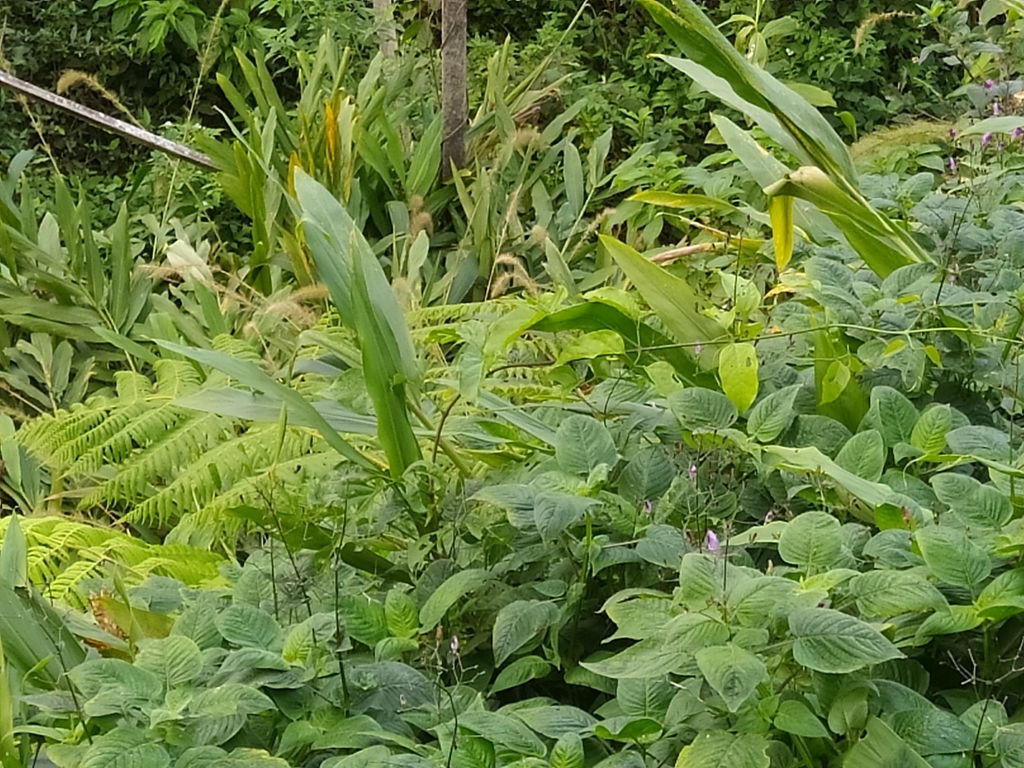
point(388, 39)
point(454, 99)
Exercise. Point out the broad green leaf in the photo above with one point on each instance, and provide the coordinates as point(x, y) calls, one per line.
point(813, 540)
point(959, 618)
point(248, 626)
point(755, 602)
point(448, 594)
point(974, 503)
point(553, 513)
point(250, 758)
point(864, 455)
point(364, 619)
point(721, 749)
point(1003, 596)
point(976, 440)
point(517, 624)
point(932, 731)
point(737, 368)
point(882, 748)
point(795, 717)
point(503, 731)
point(890, 593)
point(520, 671)
point(198, 622)
point(702, 409)
point(733, 672)
point(567, 752)
point(645, 697)
point(647, 476)
point(582, 444)
point(929, 434)
point(780, 208)
point(556, 721)
point(125, 748)
point(672, 299)
point(836, 643)
point(848, 713)
point(892, 414)
point(672, 646)
point(953, 557)
point(772, 415)
point(401, 614)
point(592, 345)
point(176, 660)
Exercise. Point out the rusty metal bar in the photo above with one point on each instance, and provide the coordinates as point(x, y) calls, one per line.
point(108, 123)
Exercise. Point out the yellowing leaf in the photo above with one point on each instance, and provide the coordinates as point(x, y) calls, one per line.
point(780, 209)
point(737, 367)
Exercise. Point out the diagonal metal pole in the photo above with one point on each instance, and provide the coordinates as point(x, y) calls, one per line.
point(108, 123)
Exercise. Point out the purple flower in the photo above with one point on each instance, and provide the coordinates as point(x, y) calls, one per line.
point(455, 644)
point(648, 508)
point(952, 165)
point(952, 133)
point(986, 139)
point(693, 471)
point(1000, 146)
point(997, 108)
point(711, 540)
point(697, 348)
point(1017, 132)
point(990, 84)
point(951, 278)
point(769, 517)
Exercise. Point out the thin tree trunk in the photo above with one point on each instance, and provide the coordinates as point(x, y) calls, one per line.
point(454, 99)
point(388, 39)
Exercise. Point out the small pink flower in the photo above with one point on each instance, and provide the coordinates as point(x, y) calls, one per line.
point(455, 644)
point(997, 108)
point(986, 139)
point(952, 165)
point(697, 348)
point(1017, 132)
point(769, 517)
point(990, 84)
point(648, 508)
point(952, 133)
point(711, 541)
point(693, 471)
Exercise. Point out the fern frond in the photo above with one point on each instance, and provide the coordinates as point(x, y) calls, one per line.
point(168, 456)
point(63, 553)
point(217, 471)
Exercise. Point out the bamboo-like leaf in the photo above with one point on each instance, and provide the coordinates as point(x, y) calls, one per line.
point(780, 111)
point(882, 245)
point(367, 304)
point(671, 298)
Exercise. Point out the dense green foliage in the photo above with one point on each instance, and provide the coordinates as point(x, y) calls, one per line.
point(621, 449)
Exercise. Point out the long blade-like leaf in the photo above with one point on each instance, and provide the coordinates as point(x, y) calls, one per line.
point(367, 304)
point(249, 374)
point(672, 299)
